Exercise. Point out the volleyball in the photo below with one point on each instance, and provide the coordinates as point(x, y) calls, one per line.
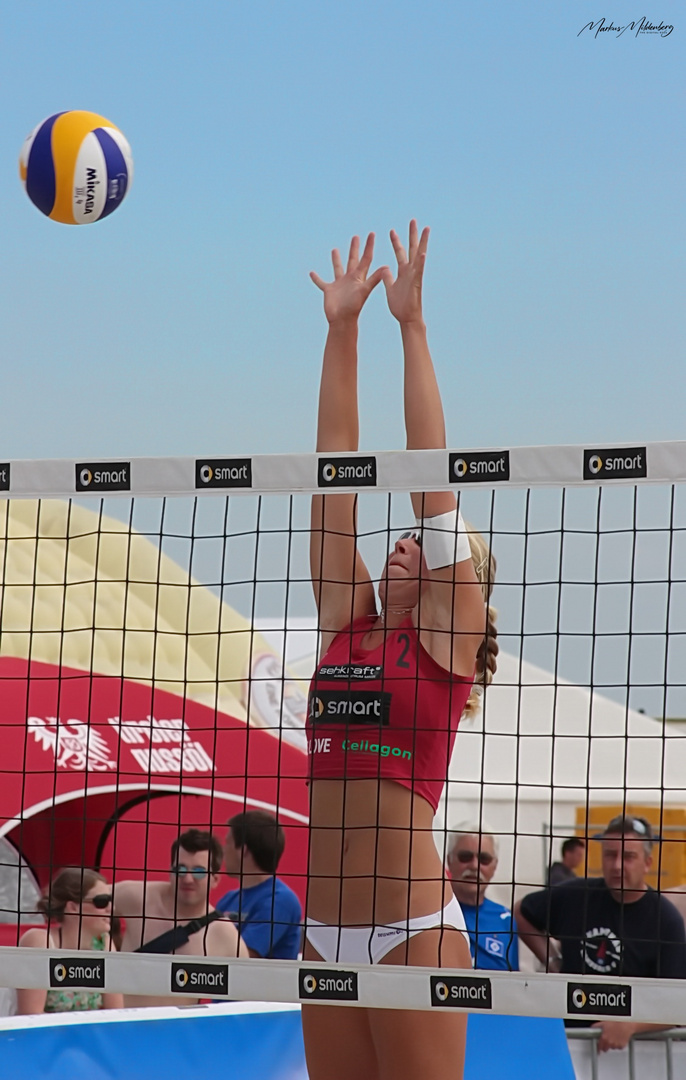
point(76, 167)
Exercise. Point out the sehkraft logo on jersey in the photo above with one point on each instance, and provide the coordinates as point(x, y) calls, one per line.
point(461, 992)
point(103, 476)
point(5, 476)
point(200, 979)
point(624, 463)
point(223, 473)
point(327, 985)
point(346, 472)
point(349, 706)
point(350, 672)
point(74, 971)
point(475, 468)
point(598, 999)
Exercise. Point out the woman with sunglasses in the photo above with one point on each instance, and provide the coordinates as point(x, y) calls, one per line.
point(385, 702)
point(78, 909)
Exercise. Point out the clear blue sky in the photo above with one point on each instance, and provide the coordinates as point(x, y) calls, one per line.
point(550, 167)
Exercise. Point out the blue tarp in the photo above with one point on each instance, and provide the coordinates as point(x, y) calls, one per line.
point(245, 1045)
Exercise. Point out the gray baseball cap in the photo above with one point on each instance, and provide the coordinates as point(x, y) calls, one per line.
point(627, 823)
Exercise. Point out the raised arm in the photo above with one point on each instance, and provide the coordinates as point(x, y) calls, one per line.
point(342, 586)
point(453, 599)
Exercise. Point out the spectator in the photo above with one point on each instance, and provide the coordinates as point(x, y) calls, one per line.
point(573, 851)
point(266, 911)
point(156, 908)
point(614, 926)
point(78, 907)
point(472, 861)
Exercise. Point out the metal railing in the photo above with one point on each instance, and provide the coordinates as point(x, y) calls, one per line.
point(668, 1038)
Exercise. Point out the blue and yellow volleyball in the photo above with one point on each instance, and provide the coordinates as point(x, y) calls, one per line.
point(76, 167)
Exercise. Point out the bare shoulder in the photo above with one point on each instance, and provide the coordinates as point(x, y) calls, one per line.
point(130, 896)
point(37, 937)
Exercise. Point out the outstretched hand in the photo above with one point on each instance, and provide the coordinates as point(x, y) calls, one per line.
point(345, 296)
point(405, 293)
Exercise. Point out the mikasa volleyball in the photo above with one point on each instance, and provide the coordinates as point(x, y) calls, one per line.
point(76, 167)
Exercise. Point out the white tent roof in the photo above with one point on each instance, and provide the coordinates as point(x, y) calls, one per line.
point(539, 738)
point(598, 744)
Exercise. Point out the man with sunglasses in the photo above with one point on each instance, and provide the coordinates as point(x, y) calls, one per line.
point(156, 908)
point(472, 861)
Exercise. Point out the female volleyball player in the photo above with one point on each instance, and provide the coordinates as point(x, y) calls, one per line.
point(385, 701)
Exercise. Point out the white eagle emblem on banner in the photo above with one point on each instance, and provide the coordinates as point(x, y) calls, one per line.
point(76, 745)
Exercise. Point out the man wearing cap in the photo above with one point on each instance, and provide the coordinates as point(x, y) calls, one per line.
point(611, 926)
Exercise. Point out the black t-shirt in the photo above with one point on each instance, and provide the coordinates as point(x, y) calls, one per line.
point(601, 936)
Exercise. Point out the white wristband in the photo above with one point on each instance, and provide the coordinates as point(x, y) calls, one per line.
point(444, 540)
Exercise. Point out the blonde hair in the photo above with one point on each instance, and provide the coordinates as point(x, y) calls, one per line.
point(485, 568)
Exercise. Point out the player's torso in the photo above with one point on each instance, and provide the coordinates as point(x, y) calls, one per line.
point(387, 712)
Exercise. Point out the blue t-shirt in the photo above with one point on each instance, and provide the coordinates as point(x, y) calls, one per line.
point(497, 947)
point(268, 917)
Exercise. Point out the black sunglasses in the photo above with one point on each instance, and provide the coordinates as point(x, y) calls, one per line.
point(484, 857)
point(411, 534)
point(101, 901)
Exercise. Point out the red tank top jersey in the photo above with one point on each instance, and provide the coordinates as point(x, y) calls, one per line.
point(390, 712)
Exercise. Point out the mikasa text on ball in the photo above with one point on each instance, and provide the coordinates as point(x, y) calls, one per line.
point(76, 167)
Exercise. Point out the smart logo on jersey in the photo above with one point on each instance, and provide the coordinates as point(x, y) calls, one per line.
point(346, 472)
point(599, 999)
point(74, 971)
point(223, 473)
point(200, 979)
point(5, 476)
point(625, 463)
point(475, 468)
point(461, 992)
point(327, 986)
point(349, 706)
point(103, 476)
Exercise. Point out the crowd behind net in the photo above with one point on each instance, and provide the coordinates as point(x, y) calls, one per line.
point(155, 656)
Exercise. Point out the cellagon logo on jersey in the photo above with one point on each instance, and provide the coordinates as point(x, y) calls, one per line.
point(5, 476)
point(622, 463)
point(200, 980)
point(461, 992)
point(347, 472)
point(349, 706)
point(598, 999)
point(103, 476)
point(223, 473)
point(327, 985)
point(475, 468)
point(74, 971)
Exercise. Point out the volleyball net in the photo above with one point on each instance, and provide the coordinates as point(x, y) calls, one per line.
point(157, 639)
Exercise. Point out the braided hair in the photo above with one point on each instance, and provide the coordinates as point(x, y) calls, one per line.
point(486, 657)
